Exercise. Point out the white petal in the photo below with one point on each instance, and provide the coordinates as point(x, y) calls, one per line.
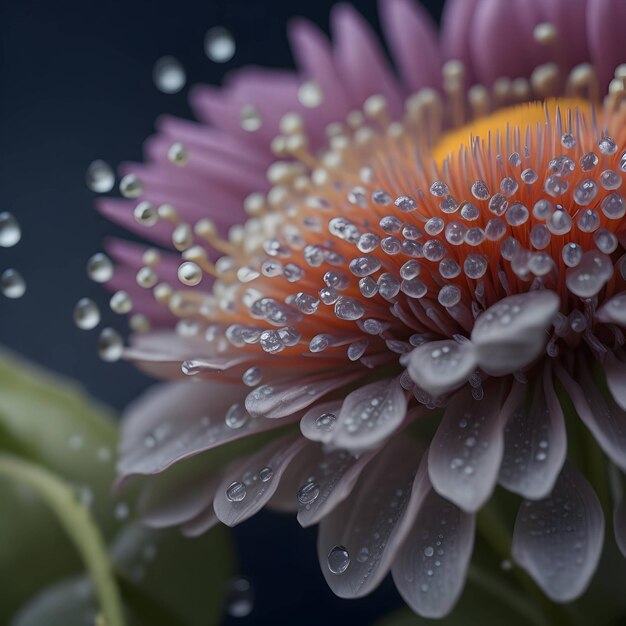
point(590, 275)
point(615, 371)
point(511, 334)
point(465, 454)
point(613, 311)
point(319, 422)
point(174, 421)
point(247, 473)
point(370, 414)
point(200, 524)
point(286, 398)
point(373, 521)
point(601, 415)
point(441, 366)
point(558, 540)
point(535, 443)
point(430, 569)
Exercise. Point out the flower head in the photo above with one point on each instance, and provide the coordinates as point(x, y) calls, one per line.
point(421, 250)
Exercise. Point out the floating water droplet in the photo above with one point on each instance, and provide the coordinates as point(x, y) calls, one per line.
point(236, 492)
point(239, 598)
point(252, 376)
point(86, 314)
point(100, 177)
point(168, 75)
point(110, 345)
point(189, 273)
point(310, 95)
point(130, 186)
point(266, 474)
point(308, 493)
point(219, 44)
point(338, 560)
point(121, 302)
point(10, 231)
point(12, 284)
point(100, 268)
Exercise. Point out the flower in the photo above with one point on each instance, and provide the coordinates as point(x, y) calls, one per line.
point(444, 248)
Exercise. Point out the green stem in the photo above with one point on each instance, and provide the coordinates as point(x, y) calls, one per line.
point(78, 524)
point(516, 600)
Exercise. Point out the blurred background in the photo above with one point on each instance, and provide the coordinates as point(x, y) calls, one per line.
point(76, 85)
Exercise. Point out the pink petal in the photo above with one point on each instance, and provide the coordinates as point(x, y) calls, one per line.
point(535, 442)
point(605, 33)
point(274, 457)
point(372, 535)
point(430, 569)
point(558, 540)
point(360, 60)
point(570, 19)
point(412, 36)
point(456, 33)
point(466, 451)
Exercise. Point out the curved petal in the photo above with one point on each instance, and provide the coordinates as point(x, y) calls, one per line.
point(456, 29)
point(502, 41)
point(613, 311)
point(175, 421)
point(430, 569)
point(438, 367)
point(605, 420)
point(200, 524)
point(466, 451)
point(370, 414)
point(249, 475)
point(412, 36)
point(570, 19)
point(558, 540)
point(372, 523)
point(605, 20)
point(360, 60)
point(511, 334)
point(285, 398)
point(535, 443)
point(615, 371)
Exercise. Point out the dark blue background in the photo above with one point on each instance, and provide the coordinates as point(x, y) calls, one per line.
point(76, 85)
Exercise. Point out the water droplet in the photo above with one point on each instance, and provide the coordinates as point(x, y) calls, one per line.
point(86, 314)
point(12, 284)
point(10, 231)
point(121, 302)
point(252, 376)
point(168, 75)
point(266, 474)
point(250, 118)
point(236, 492)
point(429, 551)
point(100, 177)
point(236, 416)
point(110, 345)
point(189, 273)
point(338, 560)
point(310, 95)
point(100, 268)
point(239, 598)
point(177, 154)
point(308, 493)
point(121, 511)
point(363, 555)
point(130, 186)
point(219, 44)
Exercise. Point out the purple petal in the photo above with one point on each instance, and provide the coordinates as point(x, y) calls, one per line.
point(613, 311)
point(438, 367)
point(286, 398)
point(558, 540)
point(535, 443)
point(372, 522)
point(360, 60)
point(234, 505)
point(412, 36)
point(430, 569)
point(605, 32)
point(456, 29)
point(615, 371)
point(601, 415)
point(466, 451)
point(370, 414)
point(175, 421)
point(570, 19)
point(511, 334)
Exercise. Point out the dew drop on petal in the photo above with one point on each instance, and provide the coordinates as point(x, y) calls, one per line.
point(219, 45)
point(326, 422)
point(168, 75)
point(100, 177)
point(189, 273)
point(308, 493)
point(338, 560)
point(130, 186)
point(310, 95)
point(266, 474)
point(86, 314)
point(236, 492)
point(12, 284)
point(110, 345)
point(10, 231)
point(252, 376)
point(236, 416)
